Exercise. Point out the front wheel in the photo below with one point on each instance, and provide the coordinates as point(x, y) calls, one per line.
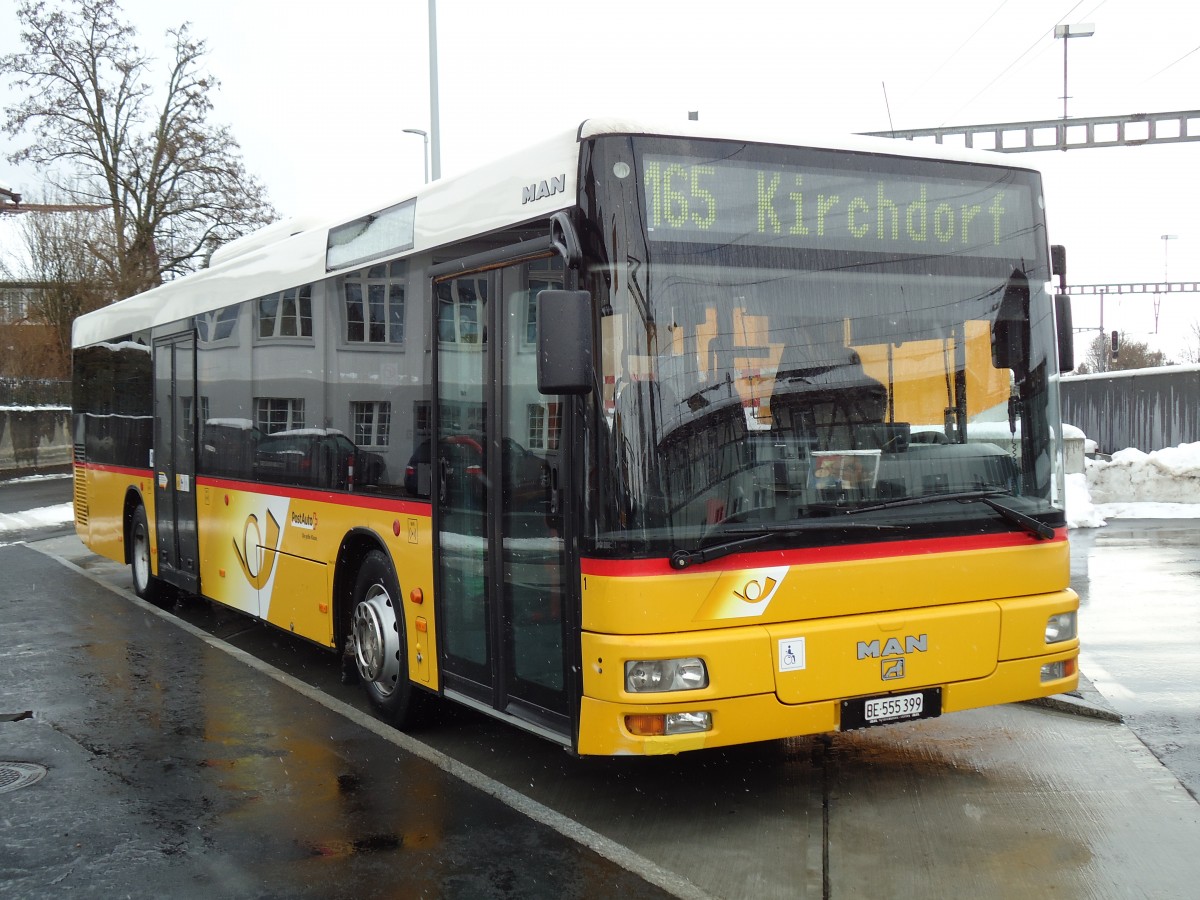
point(145, 585)
point(377, 641)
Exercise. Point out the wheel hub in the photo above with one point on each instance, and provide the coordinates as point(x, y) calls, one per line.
point(377, 639)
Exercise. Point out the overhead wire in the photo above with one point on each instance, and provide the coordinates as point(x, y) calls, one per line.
point(1171, 65)
point(959, 48)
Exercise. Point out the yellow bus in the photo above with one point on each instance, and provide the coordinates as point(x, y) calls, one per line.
point(646, 439)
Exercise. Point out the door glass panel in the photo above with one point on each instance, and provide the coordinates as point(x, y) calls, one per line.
point(175, 464)
point(184, 457)
point(461, 479)
point(531, 522)
point(164, 452)
point(501, 549)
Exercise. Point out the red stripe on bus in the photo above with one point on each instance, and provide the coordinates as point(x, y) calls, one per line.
point(337, 498)
point(815, 555)
point(118, 470)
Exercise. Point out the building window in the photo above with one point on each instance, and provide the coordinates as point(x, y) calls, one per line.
point(544, 275)
point(15, 304)
point(544, 423)
point(188, 406)
point(423, 418)
point(217, 325)
point(275, 414)
point(286, 314)
point(372, 422)
point(535, 415)
point(475, 417)
point(374, 303)
point(462, 310)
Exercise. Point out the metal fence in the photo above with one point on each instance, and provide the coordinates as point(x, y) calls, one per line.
point(34, 392)
point(1144, 408)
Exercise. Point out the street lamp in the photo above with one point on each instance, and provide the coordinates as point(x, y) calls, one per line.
point(425, 149)
point(1166, 238)
point(1086, 29)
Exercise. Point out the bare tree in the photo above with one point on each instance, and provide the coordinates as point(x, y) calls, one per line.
point(1191, 353)
point(1130, 355)
point(173, 183)
point(64, 268)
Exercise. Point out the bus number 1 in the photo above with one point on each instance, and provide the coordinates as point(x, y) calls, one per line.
point(675, 195)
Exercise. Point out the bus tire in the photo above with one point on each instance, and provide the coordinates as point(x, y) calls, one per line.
point(145, 585)
point(377, 637)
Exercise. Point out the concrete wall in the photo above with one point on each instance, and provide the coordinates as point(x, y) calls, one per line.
point(34, 439)
point(1144, 408)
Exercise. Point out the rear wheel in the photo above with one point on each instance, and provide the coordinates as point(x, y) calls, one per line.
point(377, 641)
point(145, 585)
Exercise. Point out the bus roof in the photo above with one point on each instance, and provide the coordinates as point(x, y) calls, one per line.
point(292, 252)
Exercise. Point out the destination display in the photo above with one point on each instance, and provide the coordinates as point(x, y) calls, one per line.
point(715, 201)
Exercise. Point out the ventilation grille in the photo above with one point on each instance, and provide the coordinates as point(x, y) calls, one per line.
point(81, 504)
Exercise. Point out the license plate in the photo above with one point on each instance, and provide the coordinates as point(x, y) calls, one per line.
point(863, 712)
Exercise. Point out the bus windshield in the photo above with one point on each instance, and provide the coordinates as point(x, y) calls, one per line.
point(759, 386)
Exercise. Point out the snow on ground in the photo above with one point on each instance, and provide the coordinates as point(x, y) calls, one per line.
point(41, 517)
point(1164, 484)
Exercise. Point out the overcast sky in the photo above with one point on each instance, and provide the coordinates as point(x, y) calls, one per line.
point(318, 94)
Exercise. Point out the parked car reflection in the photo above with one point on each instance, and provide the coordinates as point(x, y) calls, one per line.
point(464, 472)
point(317, 457)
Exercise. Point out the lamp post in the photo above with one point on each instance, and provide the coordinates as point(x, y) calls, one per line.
point(435, 124)
point(424, 149)
point(1165, 239)
point(1065, 32)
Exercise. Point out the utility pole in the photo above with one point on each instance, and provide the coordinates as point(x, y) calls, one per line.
point(435, 128)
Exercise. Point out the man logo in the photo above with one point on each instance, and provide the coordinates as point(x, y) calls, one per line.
point(542, 189)
point(257, 555)
point(912, 644)
point(893, 669)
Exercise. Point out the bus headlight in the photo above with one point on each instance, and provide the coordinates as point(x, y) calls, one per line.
point(1062, 669)
point(1060, 627)
point(654, 725)
point(651, 676)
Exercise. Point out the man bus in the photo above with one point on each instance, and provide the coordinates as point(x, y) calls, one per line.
point(646, 439)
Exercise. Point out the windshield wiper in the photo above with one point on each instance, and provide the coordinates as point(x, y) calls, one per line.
point(1028, 523)
point(681, 559)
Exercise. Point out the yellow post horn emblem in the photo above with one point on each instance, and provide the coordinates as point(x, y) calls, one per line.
point(252, 539)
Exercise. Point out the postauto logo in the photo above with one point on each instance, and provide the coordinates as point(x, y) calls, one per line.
point(256, 559)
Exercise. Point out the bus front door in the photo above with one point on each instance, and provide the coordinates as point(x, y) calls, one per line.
point(501, 555)
point(175, 461)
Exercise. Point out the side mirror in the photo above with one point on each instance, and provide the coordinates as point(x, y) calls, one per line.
point(1058, 262)
point(564, 342)
point(1010, 331)
point(1066, 332)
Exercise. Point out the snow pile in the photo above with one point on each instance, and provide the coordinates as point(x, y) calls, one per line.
point(1171, 475)
point(1081, 512)
point(42, 517)
point(1164, 484)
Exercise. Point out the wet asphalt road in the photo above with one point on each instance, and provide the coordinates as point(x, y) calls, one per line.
point(188, 775)
point(1139, 588)
point(179, 772)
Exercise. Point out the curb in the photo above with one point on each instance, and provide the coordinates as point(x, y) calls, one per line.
point(1086, 701)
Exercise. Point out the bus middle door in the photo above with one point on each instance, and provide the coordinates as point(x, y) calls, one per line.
point(501, 556)
point(175, 460)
